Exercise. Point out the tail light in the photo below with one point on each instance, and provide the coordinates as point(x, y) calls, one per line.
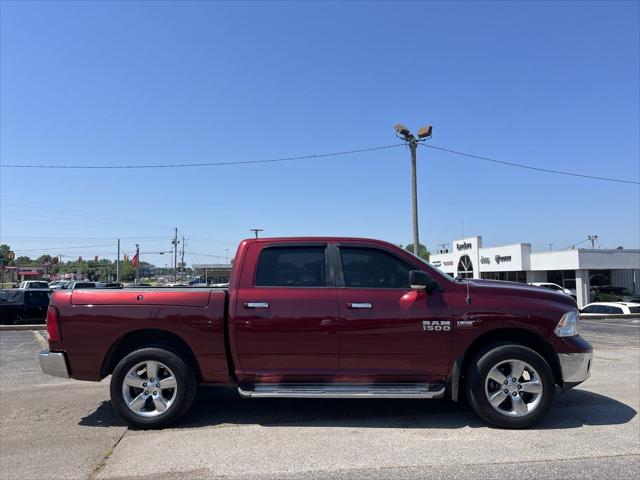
point(53, 324)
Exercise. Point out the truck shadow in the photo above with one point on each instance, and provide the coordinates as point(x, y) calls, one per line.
point(219, 406)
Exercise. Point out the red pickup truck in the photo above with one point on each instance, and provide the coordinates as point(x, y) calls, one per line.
point(323, 318)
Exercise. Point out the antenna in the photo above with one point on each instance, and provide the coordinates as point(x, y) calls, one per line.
point(468, 294)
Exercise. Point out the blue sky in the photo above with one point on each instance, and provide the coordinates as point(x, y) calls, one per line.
point(554, 85)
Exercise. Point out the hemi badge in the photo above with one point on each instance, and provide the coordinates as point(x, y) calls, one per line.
point(465, 323)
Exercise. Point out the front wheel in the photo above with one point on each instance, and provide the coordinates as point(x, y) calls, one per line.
point(152, 387)
point(510, 386)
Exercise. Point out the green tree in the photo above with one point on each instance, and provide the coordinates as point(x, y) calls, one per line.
point(23, 260)
point(4, 253)
point(44, 258)
point(422, 251)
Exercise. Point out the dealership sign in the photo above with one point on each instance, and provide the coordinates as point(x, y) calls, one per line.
point(464, 246)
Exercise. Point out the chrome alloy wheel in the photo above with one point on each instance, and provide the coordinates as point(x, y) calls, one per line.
point(513, 388)
point(149, 389)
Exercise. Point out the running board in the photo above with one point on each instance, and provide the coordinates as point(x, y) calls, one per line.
point(344, 390)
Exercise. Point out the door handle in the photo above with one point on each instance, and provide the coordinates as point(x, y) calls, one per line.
point(359, 305)
point(256, 305)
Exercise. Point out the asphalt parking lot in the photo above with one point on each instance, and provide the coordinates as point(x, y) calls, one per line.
point(55, 428)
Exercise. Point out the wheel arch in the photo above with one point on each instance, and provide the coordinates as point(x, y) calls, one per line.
point(137, 339)
point(518, 336)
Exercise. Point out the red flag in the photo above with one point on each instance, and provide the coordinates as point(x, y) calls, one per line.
point(134, 260)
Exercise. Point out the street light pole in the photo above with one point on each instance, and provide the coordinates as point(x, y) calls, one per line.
point(256, 230)
point(412, 142)
point(413, 145)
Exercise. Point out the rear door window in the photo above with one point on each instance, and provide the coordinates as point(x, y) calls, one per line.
point(291, 267)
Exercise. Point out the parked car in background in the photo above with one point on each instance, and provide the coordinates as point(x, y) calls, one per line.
point(33, 284)
point(555, 287)
point(610, 308)
point(58, 284)
point(609, 293)
point(75, 284)
point(24, 306)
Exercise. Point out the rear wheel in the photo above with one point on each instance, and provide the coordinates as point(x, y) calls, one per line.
point(510, 386)
point(152, 387)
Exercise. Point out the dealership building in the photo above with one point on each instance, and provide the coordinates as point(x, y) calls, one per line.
point(575, 268)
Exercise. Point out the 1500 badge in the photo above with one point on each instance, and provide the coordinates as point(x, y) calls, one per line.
point(436, 325)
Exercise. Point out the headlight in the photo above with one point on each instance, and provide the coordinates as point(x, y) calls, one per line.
point(568, 325)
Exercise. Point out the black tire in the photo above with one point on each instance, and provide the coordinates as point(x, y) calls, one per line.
point(477, 374)
point(184, 395)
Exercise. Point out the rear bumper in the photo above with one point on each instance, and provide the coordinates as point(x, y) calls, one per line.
point(54, 364)
point(576, 368)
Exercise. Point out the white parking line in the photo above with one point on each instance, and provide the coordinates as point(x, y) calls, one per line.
point(607, 323)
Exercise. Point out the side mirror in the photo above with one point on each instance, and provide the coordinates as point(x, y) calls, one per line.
point(419, 280)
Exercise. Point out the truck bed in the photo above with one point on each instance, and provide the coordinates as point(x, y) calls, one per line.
point(96, 322)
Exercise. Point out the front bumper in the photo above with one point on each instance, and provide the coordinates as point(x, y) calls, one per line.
point(54, 363)
point(576, 368)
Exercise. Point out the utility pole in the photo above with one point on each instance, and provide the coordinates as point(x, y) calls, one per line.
point(412, 142)
point(175, 255)
point(592, 239)
point(256, 230)
point(226, 250)
point(550, 245)
point(182, 262)
point(137, 263)
point(118, 263)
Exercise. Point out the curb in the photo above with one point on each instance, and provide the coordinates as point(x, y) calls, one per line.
point(9, 328)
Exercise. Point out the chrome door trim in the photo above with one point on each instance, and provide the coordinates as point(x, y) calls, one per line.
point(256, 304)
point(359, 305)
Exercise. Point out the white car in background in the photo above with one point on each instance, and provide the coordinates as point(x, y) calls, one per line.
point(33, 285)
point(555, 287)
point(599, 309)
point(58, 284)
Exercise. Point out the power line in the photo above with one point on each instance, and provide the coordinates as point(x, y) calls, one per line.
point(207, 164)
point(320, 155)
point(520, 165)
